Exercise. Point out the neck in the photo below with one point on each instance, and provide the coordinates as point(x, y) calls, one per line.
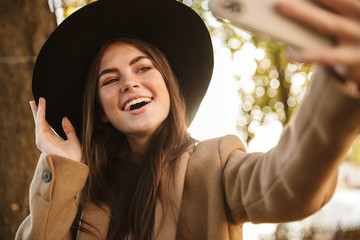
point(138, 146)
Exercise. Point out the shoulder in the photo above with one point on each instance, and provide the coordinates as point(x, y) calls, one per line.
point(217, 148)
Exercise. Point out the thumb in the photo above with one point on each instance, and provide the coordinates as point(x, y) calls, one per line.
point(69, 129)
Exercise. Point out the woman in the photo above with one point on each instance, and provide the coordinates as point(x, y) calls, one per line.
point(147, 178)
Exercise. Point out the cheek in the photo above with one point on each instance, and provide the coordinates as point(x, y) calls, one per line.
point(107, 103)
point(166, 102)
point(100, 101)
point(106, 97)
point(167, 96)
point(163, 92)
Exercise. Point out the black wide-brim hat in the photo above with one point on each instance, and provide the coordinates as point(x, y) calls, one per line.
point(171, 26)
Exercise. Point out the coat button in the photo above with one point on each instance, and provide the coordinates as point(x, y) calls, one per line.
point(46, 176)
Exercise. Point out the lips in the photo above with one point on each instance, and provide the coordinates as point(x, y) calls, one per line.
point(136, 103)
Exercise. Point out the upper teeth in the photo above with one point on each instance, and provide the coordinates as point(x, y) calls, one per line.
point(135, 101)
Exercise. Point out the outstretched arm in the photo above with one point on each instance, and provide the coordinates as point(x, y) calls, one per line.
point(298, 177)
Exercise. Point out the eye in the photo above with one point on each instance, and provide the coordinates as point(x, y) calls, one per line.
point(144, 69)
point(111, 80)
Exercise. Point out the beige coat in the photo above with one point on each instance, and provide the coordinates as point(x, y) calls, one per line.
point(216, 177)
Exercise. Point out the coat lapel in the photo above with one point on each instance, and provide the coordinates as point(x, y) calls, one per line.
point(166, 226)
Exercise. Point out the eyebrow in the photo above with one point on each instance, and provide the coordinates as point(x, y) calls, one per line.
point(108, 70)
point(135, 60)
point(112, 70)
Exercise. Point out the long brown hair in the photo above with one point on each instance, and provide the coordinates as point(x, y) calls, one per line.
point(130, 191)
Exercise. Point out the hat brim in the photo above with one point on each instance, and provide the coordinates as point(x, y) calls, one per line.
point(171, 26)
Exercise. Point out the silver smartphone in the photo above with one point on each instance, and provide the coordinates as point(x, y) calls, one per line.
point(261, 17)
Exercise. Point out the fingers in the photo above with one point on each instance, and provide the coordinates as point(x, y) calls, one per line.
point(69, 129)
point(345, 55)
point(41, 124)
point(73, 150)
point(349, 8)
point(320, 19)
point(48, 141)
point(338, 19)
point(41, 110)
point(34, 109)
point(38, 111)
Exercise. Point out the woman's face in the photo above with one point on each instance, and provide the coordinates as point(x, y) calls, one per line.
point(132, 92)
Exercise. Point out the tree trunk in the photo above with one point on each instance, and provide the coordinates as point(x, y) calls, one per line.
point(24, 26)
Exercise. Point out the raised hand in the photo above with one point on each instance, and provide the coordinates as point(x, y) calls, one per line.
point(340, 20)
point(48, 141)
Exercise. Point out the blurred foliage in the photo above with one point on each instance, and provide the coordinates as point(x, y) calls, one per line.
point(63, 8)
point(286, 232)
point(272, 92)
point(274, 89)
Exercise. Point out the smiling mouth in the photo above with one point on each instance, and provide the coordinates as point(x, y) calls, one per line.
point(136, 103)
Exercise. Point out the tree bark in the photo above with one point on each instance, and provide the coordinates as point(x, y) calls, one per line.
point(24, 26)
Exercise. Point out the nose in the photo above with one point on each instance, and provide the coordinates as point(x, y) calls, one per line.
point(130, 85)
